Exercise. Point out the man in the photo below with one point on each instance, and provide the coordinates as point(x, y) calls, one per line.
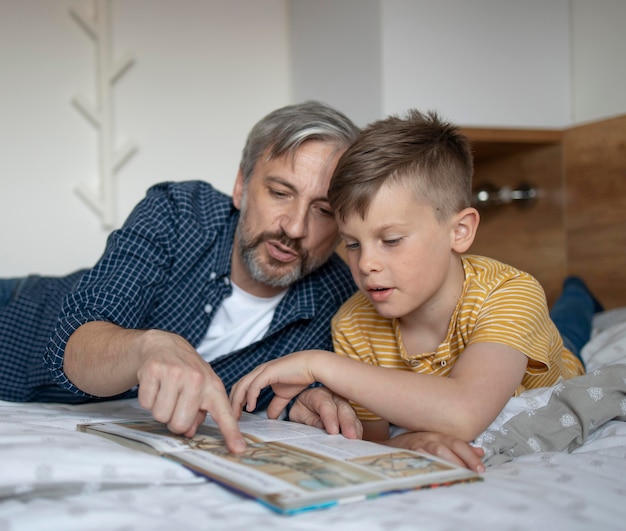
point(192, 277)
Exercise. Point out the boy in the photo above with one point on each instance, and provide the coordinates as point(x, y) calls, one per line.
point(463, 332)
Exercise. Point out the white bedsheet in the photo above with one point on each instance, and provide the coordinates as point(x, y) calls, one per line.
point(55, 478)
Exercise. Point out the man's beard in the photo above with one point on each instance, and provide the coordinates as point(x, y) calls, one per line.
point(273, 272)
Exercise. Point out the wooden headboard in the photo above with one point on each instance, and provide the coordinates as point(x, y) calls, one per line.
point(577, 225)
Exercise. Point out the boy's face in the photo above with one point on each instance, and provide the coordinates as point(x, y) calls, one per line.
point(287, 228)
point(401, 257)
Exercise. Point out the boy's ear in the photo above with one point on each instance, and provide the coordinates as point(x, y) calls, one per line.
point(238, 189)
point(465, 225)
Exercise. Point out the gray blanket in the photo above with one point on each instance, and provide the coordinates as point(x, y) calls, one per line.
point(576, 409)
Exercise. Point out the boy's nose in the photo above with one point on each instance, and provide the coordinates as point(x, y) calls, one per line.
point(368, 261)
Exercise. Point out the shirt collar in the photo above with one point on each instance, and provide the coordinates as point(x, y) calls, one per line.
point(224, 244)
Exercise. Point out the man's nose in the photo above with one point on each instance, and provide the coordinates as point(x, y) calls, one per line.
point(294, 222)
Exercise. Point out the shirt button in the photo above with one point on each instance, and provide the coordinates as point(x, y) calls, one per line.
point(444, 363)
point(213, 275)
point(415, 363)
point(227, 281)
point(208, 308)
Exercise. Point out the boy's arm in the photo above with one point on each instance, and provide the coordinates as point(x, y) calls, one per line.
point(462, 404)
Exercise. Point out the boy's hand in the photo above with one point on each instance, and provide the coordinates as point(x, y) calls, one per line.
point(446, 447)
point(287, 376)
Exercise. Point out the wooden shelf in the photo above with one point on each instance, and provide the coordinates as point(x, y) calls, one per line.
point(490, 143)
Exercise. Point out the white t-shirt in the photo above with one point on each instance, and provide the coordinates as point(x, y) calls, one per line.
point(241, 320)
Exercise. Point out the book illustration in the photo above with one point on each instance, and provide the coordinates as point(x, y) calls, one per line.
point(300, 468)
point(401, 464)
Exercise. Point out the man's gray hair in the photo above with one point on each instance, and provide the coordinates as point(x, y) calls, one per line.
point(284, 130)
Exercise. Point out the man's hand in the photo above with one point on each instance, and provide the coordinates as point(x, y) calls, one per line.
point(322, 408)
point(179, 388)
point(443, 446)
point(175, 383)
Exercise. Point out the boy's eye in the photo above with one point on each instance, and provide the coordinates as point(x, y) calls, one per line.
point(392, 241)
point(352, 245)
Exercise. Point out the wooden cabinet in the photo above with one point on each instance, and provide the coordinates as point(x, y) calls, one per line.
point(528, 236)
point(577, 225)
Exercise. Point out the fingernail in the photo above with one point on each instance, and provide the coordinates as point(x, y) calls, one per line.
point(239, 446)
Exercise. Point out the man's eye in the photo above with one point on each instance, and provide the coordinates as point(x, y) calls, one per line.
point(392, 241)
point(350, 246)
point(278, 193)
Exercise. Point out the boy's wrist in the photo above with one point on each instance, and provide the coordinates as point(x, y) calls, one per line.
point(321, 366)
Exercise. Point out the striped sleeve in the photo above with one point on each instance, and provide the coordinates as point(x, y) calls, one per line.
point(514, 312)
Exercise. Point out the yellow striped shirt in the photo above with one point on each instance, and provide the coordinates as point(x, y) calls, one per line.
point(499, 304)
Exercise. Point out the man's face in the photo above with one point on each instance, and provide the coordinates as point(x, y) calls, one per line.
point(287, 228)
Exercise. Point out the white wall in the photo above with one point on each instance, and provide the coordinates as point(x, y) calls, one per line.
point(500, 63)
point(205, 71)
point(598, 59)
point(337, 56)
point(482, 63)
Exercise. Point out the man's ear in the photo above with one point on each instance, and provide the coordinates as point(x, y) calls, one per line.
point(465, 225)
point(238, 189)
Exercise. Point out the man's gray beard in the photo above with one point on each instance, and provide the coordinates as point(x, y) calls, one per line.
point(249, 245)
point(262, 272)
point(249, 249)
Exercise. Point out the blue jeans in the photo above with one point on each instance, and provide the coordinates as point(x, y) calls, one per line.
point(10, 288)
point(573, 313)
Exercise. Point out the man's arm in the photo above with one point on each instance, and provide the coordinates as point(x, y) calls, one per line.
point(175, 383)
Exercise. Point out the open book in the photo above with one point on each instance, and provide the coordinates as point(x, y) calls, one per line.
point(287, 466)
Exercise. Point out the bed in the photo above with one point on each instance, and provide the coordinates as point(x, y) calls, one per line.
point(556, 456)
point(54, 477)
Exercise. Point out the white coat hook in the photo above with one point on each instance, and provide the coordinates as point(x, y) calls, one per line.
point(97, 25)
point(487, 195)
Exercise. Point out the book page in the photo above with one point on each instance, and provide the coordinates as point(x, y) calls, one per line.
point(149, 432)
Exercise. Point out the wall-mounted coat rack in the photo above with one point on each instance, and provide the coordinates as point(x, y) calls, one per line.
point(97, 25)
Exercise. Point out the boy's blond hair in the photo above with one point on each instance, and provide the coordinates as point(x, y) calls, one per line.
point(433, 158)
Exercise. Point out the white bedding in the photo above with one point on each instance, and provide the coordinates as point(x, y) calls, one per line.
point(55, 478)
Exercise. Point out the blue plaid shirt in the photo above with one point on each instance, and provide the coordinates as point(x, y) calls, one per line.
point(167, 268)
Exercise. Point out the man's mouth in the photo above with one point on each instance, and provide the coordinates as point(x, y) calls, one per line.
point(281, 252)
